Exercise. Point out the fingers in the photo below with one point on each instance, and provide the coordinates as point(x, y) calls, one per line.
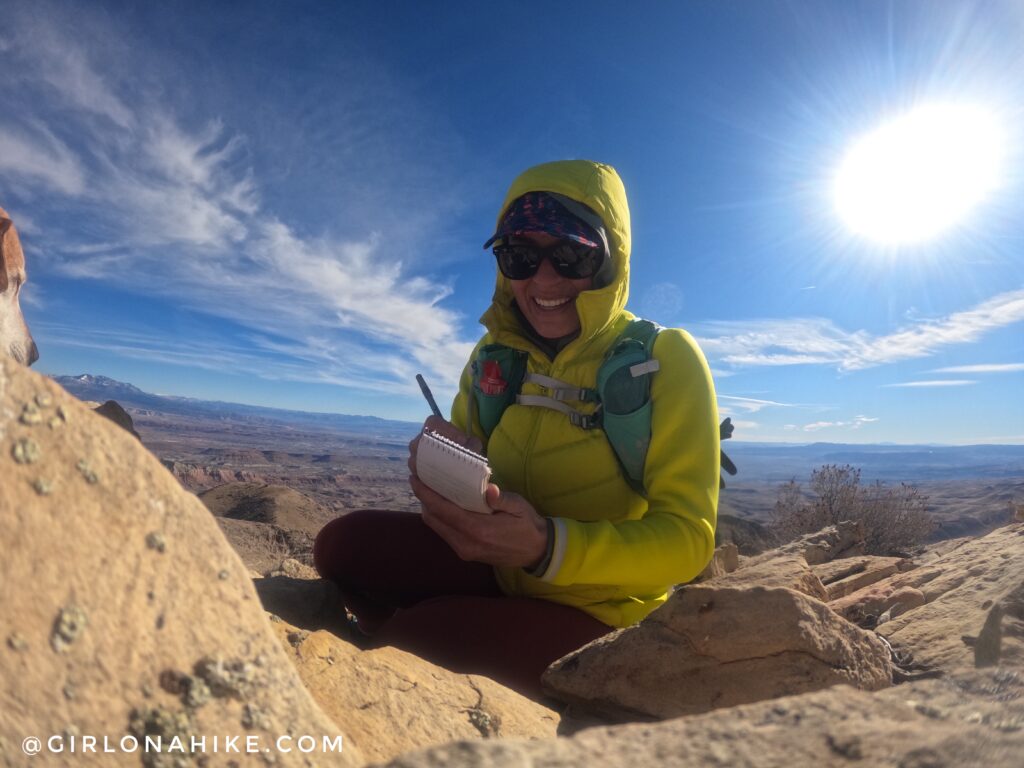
point(438, 424)
point(492, 496)
point(449, 430)
point(424, 492)
point(508, 502)
point(413, 446)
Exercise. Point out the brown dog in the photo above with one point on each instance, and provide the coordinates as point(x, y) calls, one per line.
point(15, 339)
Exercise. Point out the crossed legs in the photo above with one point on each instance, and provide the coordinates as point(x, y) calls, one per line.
point(408, 589)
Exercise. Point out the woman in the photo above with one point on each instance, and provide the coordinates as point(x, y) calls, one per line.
point(572, 550)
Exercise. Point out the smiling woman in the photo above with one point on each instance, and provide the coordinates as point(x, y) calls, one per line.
point(920, 174)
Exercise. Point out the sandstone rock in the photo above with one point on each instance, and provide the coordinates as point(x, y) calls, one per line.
point(310, 604)
point(293, 569)
point(970, 582)
point(711, 647)
point(932, 552)
point(865, 606)
point(842, 540)
point(847, 575)
point(726, 559)
point(783, 571)
point(112, 410)
point(971, 719)
point(123, 608)
point(389, 701)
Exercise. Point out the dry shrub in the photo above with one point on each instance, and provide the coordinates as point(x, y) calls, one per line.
point(895, 519)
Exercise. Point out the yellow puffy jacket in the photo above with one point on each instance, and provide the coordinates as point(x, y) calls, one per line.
point(616, 553)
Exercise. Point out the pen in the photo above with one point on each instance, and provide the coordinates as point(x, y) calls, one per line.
point(426, 393)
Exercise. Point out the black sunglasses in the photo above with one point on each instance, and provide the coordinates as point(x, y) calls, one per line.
point(520, 261)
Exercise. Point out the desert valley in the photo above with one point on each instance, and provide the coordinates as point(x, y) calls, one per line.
point(319, 466)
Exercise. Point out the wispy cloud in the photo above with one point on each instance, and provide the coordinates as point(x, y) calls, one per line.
point(856, 423)
point(42, 158)
point(308, 360)
point(983, 368)
point(934, 383)
point(818, 341)
point(174, 209)
point(748, 404)
point(70, 75)
point(741, 424)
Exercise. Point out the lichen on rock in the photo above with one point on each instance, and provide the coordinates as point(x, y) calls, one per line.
point(30, 415)
point(175, 731)
point(69, 624)
point(87, 472)
point(26, 451)
point(234, 678)
point(155, 540)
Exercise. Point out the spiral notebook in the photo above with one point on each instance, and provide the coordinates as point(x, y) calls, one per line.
point(452, 470)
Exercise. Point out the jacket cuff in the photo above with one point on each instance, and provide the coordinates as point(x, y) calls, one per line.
point(545, 561)
point(549, 567)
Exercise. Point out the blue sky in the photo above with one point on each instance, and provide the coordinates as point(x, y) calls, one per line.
point(284, 204)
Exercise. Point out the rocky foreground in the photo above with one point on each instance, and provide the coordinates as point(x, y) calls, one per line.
point(125, 612)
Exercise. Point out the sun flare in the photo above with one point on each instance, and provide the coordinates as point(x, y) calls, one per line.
point(919, 175)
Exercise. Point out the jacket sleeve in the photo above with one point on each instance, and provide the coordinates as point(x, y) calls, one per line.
point(675, 538)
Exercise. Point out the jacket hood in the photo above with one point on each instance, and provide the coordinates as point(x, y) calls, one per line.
point(598, 187)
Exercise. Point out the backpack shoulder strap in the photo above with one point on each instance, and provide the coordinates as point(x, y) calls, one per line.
point(624, 389)
point(498, 373)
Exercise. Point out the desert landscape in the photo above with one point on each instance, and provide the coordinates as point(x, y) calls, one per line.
point(274, 477)
point(798, 222)
point(152, 624)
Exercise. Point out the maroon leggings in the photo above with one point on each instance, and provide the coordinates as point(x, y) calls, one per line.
point(409, 589)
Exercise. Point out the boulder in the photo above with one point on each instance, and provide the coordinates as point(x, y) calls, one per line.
point(866, 606)
point(112, 410)
point(711, 647)
point(124, 611)
point(310, 603)
point(389, 701)
point(726, 559)
point(974, 718)
point(844, 539)
point(789, 566)
point(293, 569)
point(847, 575)
point(783, 571)
point(975, 596)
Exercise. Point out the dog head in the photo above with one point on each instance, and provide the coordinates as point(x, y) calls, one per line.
point(15, 339)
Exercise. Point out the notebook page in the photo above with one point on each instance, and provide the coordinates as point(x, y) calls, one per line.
point(454, 471)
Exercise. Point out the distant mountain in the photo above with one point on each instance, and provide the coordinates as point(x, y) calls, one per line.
point(757, 462)
point(100, 388)
point(779, 462)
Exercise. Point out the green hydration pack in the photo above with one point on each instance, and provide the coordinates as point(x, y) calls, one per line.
point(622, 393)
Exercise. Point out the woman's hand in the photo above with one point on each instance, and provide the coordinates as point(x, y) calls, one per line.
point(447, 429)
point(513, 536)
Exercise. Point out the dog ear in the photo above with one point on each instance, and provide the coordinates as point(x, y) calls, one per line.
point(5, 224)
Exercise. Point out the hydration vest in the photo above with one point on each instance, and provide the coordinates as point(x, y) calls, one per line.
point(622, 392)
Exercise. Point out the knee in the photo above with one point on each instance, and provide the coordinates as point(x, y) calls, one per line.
point(338, 544)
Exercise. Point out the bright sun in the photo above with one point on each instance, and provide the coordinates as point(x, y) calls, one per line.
point(910, 179)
